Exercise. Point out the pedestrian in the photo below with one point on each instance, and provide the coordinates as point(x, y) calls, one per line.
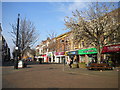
point(110, 63)
point(71, 62)
point(40, 61)
point(76, 62)
point(68, 62)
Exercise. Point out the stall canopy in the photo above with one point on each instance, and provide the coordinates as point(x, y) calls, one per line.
point(87, 51)
point(111, 48)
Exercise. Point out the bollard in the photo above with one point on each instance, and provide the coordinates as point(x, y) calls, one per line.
point(100, 70)
point(117, 70)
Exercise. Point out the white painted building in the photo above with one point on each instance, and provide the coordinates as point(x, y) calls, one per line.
point(0, 46)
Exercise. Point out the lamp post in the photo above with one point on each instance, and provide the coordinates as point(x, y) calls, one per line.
point(17, 46)
point(64, 42)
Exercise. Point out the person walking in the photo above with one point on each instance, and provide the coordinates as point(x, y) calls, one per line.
point(71, 62)
point(76, 62)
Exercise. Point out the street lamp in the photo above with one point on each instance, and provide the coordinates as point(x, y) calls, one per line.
point(64, 42)
point(17, 46)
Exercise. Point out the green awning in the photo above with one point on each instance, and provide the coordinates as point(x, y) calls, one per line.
point(87, 51)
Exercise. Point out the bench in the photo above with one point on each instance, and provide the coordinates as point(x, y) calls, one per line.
point(101, 66)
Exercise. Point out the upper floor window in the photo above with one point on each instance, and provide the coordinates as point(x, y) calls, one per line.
point(83, 44)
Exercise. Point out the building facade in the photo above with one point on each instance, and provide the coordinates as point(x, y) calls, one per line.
point(63, 47)
point(4, 49)
point(43, 51)
point(0, 46)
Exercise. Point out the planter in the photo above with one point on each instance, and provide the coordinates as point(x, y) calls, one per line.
point(82, 65)
point(75, 66)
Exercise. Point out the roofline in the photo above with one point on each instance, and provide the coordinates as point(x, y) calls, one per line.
point(63, 34)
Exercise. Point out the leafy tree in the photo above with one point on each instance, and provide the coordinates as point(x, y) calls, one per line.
point(98, 25)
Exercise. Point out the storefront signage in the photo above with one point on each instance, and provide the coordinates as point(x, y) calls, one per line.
point(87, 51)
point(111, 48)
point(40, 57)
point(49, 54)
point(72, 53)
point(59, 53)
point(44, 55)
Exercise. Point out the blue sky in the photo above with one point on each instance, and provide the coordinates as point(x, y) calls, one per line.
point(47, 16)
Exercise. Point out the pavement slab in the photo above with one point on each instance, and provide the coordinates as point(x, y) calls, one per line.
point(57, 76)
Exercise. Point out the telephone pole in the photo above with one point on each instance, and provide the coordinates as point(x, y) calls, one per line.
point(17, 46)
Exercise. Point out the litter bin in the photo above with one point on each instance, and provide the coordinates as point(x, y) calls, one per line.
point(21, 64)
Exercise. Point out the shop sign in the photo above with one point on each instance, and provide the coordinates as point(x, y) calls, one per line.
point(40, 57)
point(72, 53)
point(44, 55)
point(111, 48)
point(49, 54)
point(36, 56)
point(87, 51)
point(59, 53)
point(66, 53)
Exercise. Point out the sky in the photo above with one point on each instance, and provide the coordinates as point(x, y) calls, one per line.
point(46, 16)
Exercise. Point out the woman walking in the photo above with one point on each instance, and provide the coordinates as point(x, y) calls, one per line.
point(71, 62)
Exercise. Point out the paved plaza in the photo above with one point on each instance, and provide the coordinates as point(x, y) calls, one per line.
point(57, 76)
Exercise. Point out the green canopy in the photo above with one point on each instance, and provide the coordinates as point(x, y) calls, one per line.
point(87, 51)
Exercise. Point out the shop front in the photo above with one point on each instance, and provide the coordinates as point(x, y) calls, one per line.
point(59, 57)
point(39, 57)
point(112, 53)
point(73, 55)
point(45, 58)
point(50, 56)
point(87, 55)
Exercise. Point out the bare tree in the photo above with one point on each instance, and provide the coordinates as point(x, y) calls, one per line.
point(96, 25)
point(52, 44)
point(52, 35)
point(27, 35)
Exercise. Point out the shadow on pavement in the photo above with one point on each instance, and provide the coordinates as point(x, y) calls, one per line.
point(7, 63)
point(27, 63)
point(27, 67)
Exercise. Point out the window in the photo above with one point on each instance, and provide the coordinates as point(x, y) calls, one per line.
point(83, 43)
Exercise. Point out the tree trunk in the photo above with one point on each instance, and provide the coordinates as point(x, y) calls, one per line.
point(22, 55)
point(98, 57)
point(98, 54)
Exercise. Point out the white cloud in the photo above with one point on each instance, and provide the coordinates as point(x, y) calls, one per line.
point(76, 5)
point(67, 8)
